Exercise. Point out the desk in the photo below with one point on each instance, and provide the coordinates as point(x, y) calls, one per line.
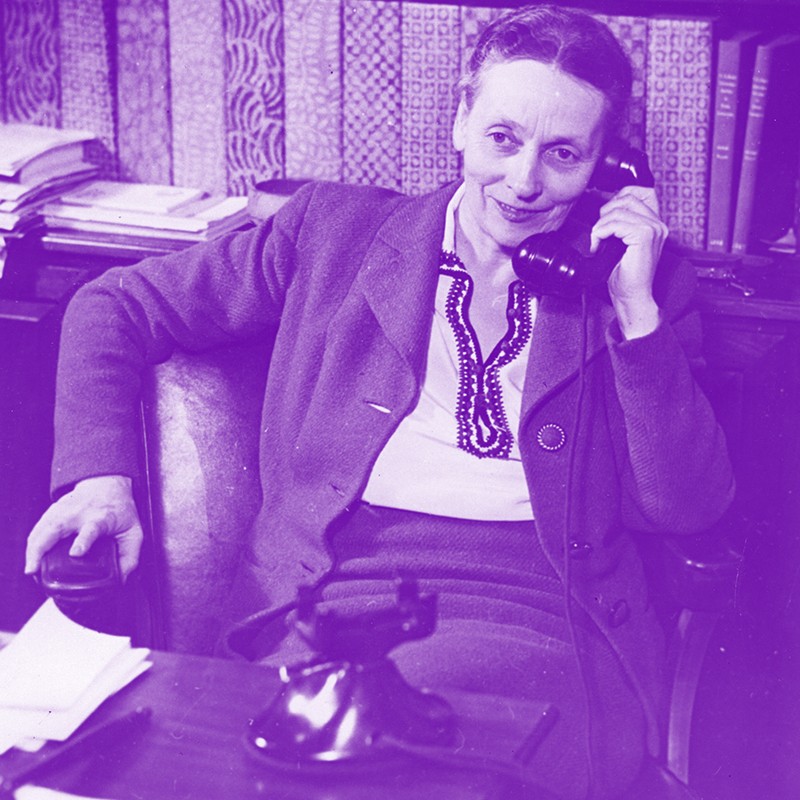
point(193, 747)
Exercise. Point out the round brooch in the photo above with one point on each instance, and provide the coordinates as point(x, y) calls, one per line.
point(551, 437)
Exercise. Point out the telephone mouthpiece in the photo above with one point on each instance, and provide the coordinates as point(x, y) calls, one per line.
point(543, 263)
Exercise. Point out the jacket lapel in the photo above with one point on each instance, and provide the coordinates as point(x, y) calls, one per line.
point(398, 279)
point(555, 352)
point(399, 274)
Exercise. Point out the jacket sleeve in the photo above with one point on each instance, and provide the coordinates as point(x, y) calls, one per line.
point(677, 477)
point(130, 317)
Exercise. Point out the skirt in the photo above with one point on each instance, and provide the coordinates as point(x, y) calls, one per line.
point(502, 636)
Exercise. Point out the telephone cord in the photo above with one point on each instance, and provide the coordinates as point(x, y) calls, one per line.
point(566, 533)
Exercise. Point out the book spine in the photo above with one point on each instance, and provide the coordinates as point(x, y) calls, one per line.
point(720, 189)
point(678, 121)
point(750, 150)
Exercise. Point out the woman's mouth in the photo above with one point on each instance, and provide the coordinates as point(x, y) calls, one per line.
point(514, 213)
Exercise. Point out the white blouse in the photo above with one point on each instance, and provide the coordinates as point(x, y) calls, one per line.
point(422, 467)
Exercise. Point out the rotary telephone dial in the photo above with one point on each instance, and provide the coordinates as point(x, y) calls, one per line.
point(559, 262)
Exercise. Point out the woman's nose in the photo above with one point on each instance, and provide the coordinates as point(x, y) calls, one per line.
point(524, 177)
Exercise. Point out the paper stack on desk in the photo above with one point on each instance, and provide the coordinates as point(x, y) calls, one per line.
point(107, 213)
point(55, 673)
point(36, 164)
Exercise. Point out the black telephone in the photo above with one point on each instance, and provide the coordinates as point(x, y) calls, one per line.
point(553, 263)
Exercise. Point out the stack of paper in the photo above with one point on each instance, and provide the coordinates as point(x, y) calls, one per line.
point(36, 163)
point(55, 673)
point(148, 214)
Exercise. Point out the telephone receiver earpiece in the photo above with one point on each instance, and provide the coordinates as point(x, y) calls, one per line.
point(549, 264)
point(621, 165)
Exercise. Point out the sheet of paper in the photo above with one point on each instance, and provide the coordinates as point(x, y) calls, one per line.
point(60, 724)
point(150, 198)
point(52, 661)
point(42, 793)
point(31, 745)
point(54, 673)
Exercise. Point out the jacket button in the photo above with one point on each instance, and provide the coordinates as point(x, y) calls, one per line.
point(551, 437)
point(579, 550)
point(619, 613)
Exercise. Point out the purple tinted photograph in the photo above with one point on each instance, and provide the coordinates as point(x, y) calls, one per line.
point(399, 399)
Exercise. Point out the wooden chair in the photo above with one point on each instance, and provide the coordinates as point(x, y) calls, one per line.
point(200, 423)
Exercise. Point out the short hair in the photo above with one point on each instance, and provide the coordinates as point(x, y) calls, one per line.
point(571, 40)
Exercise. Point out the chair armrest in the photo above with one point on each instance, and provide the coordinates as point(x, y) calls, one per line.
point(700, 573)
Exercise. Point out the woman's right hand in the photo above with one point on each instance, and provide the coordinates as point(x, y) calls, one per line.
point(99, 506)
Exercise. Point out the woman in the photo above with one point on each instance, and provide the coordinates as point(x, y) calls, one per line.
point(419, 407)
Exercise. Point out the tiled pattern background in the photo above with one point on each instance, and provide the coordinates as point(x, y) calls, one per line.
point(220, 93)
point(371, 92)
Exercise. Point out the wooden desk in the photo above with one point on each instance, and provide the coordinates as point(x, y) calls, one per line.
point(193, 747)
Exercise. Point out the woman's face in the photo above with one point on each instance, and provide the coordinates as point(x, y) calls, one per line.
point(530, 143)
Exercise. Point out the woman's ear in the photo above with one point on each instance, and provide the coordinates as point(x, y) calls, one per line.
point(460, 126)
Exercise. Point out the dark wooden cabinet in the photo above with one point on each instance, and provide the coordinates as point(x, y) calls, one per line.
point(29, 335)
point(32, 302)
point(752, 346)
point(745, 733)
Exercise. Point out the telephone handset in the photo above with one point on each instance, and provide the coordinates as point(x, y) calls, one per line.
point(552, 263)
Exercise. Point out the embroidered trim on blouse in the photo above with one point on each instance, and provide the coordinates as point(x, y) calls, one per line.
point(483, 428)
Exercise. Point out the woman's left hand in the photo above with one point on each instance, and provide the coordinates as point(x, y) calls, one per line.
point(632, 216)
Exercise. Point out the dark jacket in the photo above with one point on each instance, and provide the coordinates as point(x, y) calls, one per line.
point(344, 280)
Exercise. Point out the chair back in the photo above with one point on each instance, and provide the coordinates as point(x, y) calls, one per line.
point(200, 431)
point(201, 417)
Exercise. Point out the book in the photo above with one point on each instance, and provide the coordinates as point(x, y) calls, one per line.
point(776, 209)
point(89, 229)
point(679, 61)
point(106, 229)
point(18, 220)
point(16, 195)
point(149, 198)
point(735, 54)
point(197, 217)
point(24, 215)
point(752, 145)
point(29, 153)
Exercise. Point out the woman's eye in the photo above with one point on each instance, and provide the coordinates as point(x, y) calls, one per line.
point(498, 137)
point(563, 155)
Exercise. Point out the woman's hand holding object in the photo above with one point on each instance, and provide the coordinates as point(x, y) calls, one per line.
point(99, 506)
point(632, 215)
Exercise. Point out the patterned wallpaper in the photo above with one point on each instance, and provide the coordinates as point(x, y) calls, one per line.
point(220, 93)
